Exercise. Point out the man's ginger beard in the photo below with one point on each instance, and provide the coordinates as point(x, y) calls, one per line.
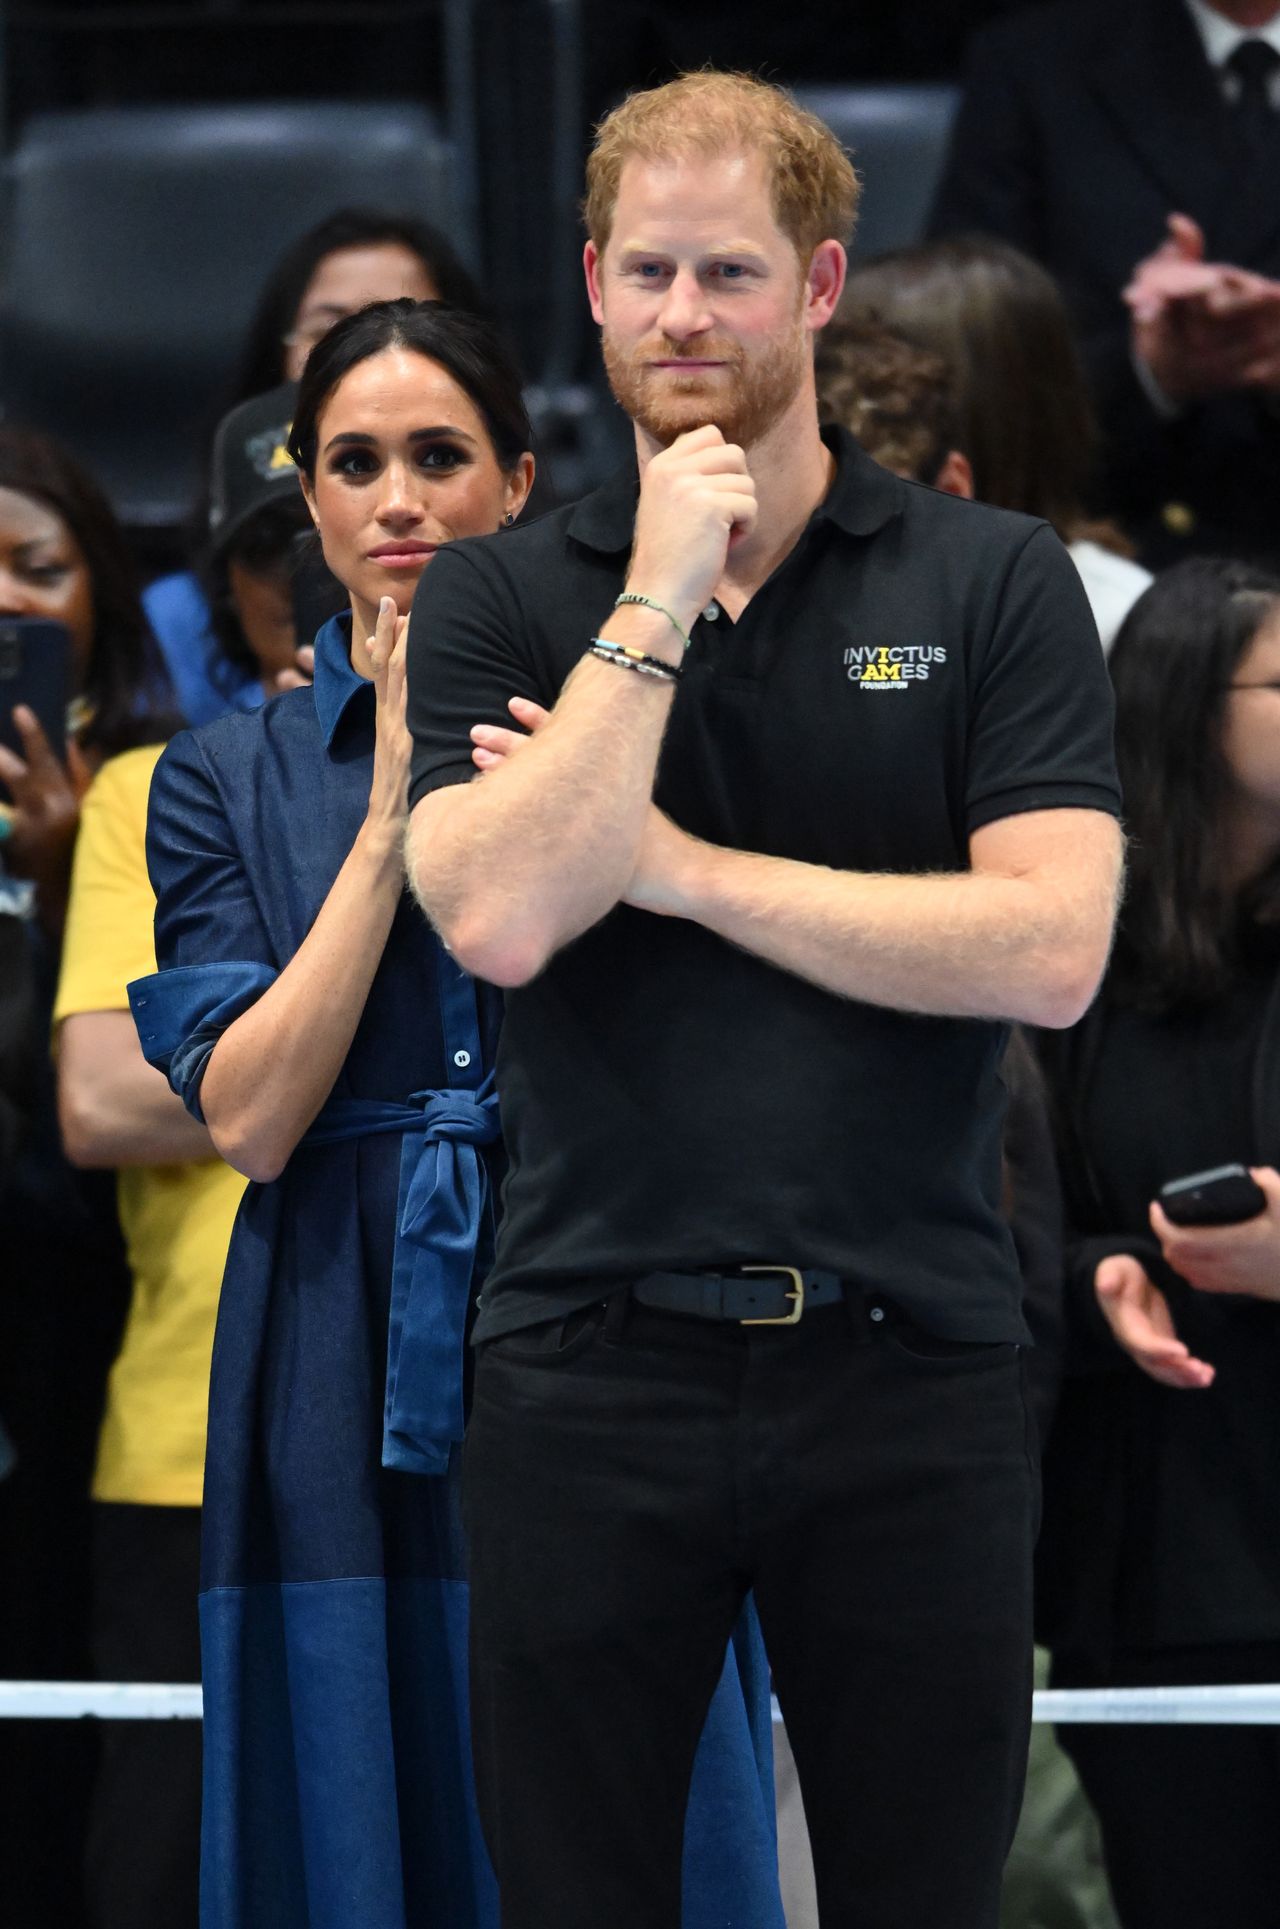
point(743, 400)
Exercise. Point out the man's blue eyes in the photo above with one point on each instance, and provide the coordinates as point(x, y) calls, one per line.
point(723, 270)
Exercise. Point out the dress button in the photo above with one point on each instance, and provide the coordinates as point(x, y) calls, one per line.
point(877, 1312)
point(462, 1060)
point(711, 611)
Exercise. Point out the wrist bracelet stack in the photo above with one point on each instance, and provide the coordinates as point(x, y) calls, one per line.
point(647, 602)
point(625, 657)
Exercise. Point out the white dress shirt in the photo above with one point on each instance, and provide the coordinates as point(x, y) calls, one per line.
point(1221, 37)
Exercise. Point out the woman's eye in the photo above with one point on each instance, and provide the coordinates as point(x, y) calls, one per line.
point(48, 572)
point(354, 463)
point(440, 456)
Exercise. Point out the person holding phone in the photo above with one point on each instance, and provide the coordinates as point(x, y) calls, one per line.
point(64, 561)
point(86, 685)
point(342, 1061)
point(1158, 1557)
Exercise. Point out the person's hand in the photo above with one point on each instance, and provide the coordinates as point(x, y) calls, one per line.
point(1228, 1259)
point(393, 746)
point(1138, 1314)
point(46, 812)
point(302, 673)
point(663, 880)
point(1203, 328)
point(696, 497)
point(494, 743)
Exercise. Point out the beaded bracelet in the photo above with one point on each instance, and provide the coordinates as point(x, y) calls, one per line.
point(633, 596)
point(627, 658)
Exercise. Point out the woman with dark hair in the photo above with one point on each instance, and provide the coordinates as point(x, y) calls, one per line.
point(1022, 414)
point(351, 258)
point(306, 1013)
point(1159, 1554)
point(63, 556)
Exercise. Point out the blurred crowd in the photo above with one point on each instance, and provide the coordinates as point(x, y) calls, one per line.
point(1090, 335)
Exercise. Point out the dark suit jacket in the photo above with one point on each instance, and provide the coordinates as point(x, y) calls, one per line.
point(1084, 124)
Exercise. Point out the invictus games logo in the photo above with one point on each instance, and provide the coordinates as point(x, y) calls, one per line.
point(892, 668)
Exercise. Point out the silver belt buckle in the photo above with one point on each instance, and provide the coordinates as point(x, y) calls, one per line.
point(795, 1294)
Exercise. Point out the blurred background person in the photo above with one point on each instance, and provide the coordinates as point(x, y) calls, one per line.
point(247, 571)
point(1158, 1556)
point(1138, 147)
point(899, 402)
point(353, 257)
point(63, 558)
point(1021, 409)
point(896, 399)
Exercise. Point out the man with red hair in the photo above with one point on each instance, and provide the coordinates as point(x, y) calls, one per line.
point(818, 793)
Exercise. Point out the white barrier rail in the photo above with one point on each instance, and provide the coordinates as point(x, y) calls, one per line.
point(163, 1701)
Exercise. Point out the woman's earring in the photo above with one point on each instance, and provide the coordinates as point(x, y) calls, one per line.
point(509, 518)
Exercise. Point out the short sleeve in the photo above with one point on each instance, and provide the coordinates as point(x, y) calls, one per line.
point(468, 656)
point(108, 937)
point(1041, 716)
point(213, 954)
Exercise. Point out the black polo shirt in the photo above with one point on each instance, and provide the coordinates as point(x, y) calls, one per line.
point(916, 668)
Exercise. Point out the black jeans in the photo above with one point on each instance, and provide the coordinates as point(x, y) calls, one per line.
point(143, 1859)
point(1188, 1814)
point(628, 1476)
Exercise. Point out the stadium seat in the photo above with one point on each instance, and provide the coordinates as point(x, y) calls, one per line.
point(898, 139)
point(137, 240)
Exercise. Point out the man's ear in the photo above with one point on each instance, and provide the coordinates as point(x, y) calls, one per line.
point(591, 269)
point(955, 477)
point(824, 283)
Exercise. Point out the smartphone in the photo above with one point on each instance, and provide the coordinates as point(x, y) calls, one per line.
point(1221, 1197)
point(35, 669)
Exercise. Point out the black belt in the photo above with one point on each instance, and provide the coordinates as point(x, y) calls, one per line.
point(755, 1295)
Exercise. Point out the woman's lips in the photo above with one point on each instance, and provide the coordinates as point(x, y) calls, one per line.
point(405, 555)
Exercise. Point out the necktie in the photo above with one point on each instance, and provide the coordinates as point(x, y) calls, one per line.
point(1254, 62)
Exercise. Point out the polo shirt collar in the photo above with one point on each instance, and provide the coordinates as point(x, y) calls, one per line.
point(862, 498)
point(336, 685)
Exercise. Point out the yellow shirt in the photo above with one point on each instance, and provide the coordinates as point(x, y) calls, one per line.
point(176, 1219)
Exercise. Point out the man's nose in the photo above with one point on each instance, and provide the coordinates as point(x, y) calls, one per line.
point(684, 307)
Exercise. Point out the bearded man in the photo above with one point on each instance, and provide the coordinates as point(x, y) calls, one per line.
point(812, 793)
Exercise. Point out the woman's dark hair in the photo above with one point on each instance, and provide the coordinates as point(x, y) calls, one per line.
point(262, 362)
point(1171, 663)
point(465, 345)
point(1022, 409)
point(126, 689)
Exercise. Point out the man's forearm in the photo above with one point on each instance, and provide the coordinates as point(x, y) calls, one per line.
point(968, 944)
point(512, 867)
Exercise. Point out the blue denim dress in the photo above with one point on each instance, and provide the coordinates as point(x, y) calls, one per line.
point(338, 1787)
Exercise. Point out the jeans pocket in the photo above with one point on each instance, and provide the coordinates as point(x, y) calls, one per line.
point(931, 1354)
point(551, 1342)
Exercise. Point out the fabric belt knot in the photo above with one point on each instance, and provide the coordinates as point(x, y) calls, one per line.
point(442, 1223)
